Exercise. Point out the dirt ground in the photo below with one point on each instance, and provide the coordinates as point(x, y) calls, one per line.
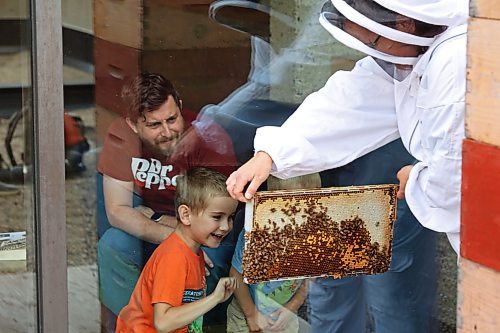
point(80, 189)
point(81, 230)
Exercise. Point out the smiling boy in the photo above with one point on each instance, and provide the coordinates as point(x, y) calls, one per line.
point(169, 295)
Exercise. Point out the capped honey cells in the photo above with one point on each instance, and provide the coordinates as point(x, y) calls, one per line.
point(333, 232)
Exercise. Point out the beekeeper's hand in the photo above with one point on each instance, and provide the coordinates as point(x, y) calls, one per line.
point(403, 175)
point(255, 172)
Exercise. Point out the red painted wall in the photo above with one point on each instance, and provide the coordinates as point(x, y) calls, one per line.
point(481, 203)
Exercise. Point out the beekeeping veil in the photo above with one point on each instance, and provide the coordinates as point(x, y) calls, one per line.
point(380, 17)
point(249, 16)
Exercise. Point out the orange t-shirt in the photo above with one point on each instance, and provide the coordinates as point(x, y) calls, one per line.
point(175, 275)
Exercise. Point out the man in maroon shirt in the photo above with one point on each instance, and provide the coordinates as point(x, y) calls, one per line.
point(142, 155)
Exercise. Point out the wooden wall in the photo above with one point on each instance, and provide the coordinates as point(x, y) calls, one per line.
point(479, 271)
point(205, 60)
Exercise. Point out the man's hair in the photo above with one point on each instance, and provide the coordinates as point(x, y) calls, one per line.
point(147, 92)
point(197, 186)
point(306, 181)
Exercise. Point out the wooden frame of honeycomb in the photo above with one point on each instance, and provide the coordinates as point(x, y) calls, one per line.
point(337, 232)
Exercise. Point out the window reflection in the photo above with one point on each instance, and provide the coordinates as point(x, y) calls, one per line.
point(17, 295)
point(238, 65)
point(80, 164)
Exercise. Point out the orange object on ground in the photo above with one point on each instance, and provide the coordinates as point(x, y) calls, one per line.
point(72, 131)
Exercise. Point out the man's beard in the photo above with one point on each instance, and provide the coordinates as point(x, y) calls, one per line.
point(167, 151)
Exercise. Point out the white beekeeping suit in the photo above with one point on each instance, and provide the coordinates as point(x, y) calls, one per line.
point(427, 113)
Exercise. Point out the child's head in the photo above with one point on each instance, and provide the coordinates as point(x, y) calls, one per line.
point(306, 181)
point(204, 208)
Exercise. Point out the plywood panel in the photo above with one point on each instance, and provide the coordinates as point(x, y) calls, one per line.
point(478, 299)
point(481, 203)
point(485, 8)
point(119, 21)
point(153, 25)
point(483, 95)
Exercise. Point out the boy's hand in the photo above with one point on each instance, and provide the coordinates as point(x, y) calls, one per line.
point(257, 322)
point(281, 319)
point(225, 288)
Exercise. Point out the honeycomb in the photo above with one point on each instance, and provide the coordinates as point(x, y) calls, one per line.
point(334, 232)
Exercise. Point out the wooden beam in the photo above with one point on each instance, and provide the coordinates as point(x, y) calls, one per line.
point(478, 299)
point(485, 8)
point(483, 90)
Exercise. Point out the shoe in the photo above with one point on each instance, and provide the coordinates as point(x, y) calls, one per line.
point(12, 175)
point(74, 160)
point(8, 189)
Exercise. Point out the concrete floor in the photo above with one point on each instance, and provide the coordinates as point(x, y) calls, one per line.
point(17, 301)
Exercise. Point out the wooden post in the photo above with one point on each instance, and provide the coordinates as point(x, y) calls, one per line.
point(479, 271)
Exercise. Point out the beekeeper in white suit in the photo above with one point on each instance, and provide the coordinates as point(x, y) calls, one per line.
point(421, 45)
point(426, 42)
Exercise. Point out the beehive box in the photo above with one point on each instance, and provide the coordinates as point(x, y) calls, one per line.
point(332, 232)
point(201, 76)
point(162, 24)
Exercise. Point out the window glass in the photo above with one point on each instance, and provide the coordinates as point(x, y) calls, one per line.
point(80, 159)
point(17, 251)
point(182, 84)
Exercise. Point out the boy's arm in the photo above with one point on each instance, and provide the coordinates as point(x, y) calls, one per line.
point(242, 294)
point(255, 321)
point(168, 318)
point(298, 298)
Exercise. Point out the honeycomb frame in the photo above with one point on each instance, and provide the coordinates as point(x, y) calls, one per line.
point(335, 232)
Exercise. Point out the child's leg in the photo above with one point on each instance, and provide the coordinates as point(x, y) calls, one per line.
point(236, 322)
